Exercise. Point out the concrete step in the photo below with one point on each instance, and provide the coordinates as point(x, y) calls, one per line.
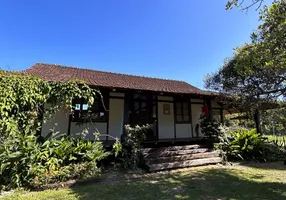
point(172, 148)
point(186, 163)
point(168, 153)
point(157, 160)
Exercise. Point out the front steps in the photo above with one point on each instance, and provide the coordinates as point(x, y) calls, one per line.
point(172, 157)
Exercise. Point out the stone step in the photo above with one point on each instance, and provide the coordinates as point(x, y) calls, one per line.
point(149, 161)
point(167, 153)
point(187, 163)
point(172, 148)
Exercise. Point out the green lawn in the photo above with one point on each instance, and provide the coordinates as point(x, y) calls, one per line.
point(263, 181)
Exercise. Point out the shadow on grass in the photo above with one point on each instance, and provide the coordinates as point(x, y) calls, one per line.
point(209, 184)
point(270, 165)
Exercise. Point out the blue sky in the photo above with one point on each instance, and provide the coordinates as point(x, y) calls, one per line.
point(173, 39)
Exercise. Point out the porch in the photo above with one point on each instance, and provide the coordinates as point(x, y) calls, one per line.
point(174, 118)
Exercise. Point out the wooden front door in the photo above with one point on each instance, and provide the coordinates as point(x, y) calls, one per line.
point(144, 111)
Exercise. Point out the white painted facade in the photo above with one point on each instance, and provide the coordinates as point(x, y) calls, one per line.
point(215, 104)
point(167, 127)
point(58, 123)
point(88, 129)
point(196, 114)
point(116, 113)
point(184, 130)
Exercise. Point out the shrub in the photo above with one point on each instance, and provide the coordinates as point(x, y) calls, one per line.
point(22, 100)
point(131, 145)
point(249, 145)
point(26, 162)
point(279, 140)
point(210, 128)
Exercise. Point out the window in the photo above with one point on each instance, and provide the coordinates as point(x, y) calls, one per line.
point(139, 114)
point(182, 111)
point(216, 115)
point(83, 112)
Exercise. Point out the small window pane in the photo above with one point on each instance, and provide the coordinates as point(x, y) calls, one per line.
point(185, 105)
point(186, 118)
point(76, 114)
point(179, 118)
point(77, 106)
point(136, 96)
point(84, 107)
point(143, 106)
point(101, 115)
point(178, 105)
point(216, 115)
point(143, 97)
point(136, 106)
point(154, 113)
point(96, 106)
point(179, 111)
point(186, 111)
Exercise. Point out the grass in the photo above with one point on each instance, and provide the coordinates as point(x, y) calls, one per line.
point(251, 181)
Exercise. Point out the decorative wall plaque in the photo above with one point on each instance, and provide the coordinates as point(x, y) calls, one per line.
point(166, 109)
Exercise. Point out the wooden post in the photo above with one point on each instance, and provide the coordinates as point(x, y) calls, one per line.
point(257, 120)
point(125, 113)
point(126, 108)
point(221, 116)
point(209, 104)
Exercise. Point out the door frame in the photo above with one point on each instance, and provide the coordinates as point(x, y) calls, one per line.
point(151, 100)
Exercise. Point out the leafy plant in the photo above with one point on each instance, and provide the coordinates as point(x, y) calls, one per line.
point(278, 140)
point(210, 128)
point(23, 99)
point(25, 162)
point(249, 145)
point(131, 145)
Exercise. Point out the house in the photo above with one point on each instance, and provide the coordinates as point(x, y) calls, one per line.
point(172, 107)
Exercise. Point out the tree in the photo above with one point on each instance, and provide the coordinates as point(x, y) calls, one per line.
point(257, 71)
point(245, 5)
point(274, 121)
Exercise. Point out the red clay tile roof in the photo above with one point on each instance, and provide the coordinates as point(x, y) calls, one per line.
point(60, 73)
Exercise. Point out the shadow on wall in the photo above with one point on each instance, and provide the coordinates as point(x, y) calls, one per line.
point(206, 185)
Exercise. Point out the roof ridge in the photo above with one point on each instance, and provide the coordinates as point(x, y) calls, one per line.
point(75, 67)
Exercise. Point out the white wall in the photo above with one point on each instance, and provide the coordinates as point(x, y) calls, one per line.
point(116, 94)
point(88, 129)
point(183, 130)
point(165, 98)
point(116, 113)
point(165, 122)
point(215, 104)
point(58, 122)
point(196, 114)
point(197, 100)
